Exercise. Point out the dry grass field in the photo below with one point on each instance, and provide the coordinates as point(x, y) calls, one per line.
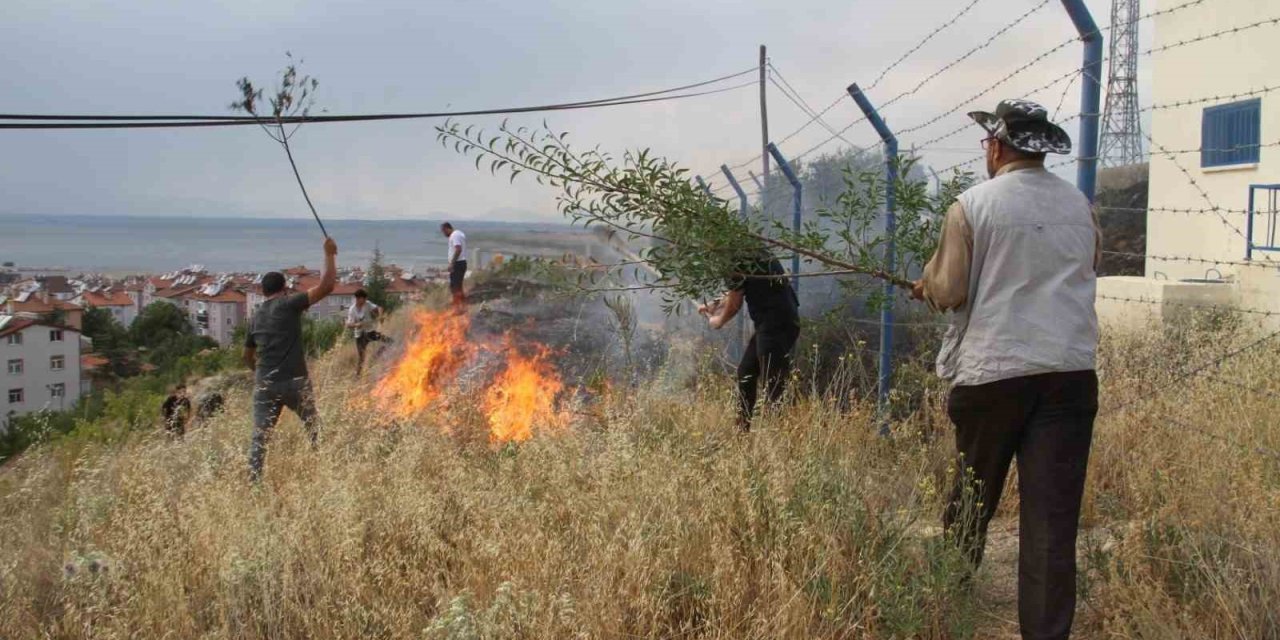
point(645, 515)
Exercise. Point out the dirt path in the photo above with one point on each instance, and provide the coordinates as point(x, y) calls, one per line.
point(998, 587)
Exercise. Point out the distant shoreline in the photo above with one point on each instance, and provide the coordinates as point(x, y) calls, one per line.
point(158, 244)
point(191, 218)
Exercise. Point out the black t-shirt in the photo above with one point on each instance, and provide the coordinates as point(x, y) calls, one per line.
point(175, 409)
point(276, 332)
point(770, 301)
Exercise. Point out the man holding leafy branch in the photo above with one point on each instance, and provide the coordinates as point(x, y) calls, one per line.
point(763, 285)
point(1017, 267)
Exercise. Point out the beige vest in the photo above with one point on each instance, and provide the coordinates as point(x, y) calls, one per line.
point(1030, 307)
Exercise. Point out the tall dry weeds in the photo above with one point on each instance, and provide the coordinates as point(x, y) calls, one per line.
point(649, 518)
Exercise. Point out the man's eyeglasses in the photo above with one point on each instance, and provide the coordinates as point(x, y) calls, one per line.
point(986, 142)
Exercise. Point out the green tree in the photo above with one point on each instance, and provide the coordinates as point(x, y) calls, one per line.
point(319, 336)
point(110, 339)
point(696, 241)
point(165, 334)
point(159, 322)
point(377, 283)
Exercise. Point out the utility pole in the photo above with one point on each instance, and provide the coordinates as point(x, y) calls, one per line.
point(1121, 130)
point(764, 133)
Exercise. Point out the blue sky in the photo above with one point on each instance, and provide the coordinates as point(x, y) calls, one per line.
point(172, 56)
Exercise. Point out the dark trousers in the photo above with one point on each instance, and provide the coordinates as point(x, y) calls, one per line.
point(362, 343)
point(456, 278)
point(1047, 422)
point(768, 354)
point(269, 399)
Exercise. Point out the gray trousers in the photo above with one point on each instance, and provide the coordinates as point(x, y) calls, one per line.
point(269, 399)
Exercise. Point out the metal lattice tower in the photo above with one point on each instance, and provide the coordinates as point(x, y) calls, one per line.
point(1121, 131)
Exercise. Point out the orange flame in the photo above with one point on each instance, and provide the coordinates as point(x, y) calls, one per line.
point(431, 360)
point(522, 395)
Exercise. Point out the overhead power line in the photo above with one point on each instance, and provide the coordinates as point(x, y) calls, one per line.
point(791, 94)
point(42, 121)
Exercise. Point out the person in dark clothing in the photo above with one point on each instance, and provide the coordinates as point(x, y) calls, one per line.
point(209, 405)
point(273, 349)
point(771, 302)
point(176, 409)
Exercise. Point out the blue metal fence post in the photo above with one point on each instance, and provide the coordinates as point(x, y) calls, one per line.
point(737, 188)
point(1090, 96)
point(744, 206)
point(756, 179)
point(890, 229)
point(795, 220)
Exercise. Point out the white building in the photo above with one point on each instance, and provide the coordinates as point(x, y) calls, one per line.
point(1214, 134)
point(41, 366)
point(121, 306)
point(215, 311)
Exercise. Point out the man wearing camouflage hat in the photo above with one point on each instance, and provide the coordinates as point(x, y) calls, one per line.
point(1016, 266)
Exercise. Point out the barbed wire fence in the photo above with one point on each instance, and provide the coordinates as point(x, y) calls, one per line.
point(922, 137)
point(1231, 218)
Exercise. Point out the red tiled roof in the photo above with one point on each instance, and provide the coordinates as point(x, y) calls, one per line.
point(107, 299)
point(178, 292)
point(17, 324)
point(227, 295)
point(92, 361)
point(35, 305)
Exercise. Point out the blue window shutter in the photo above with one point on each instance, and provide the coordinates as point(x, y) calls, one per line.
point(1231, 133)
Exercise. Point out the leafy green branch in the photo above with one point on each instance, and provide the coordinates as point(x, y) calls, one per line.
point(292, 97)
point(697, 242)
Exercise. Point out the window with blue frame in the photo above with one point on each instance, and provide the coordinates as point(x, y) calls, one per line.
point(1230, 133)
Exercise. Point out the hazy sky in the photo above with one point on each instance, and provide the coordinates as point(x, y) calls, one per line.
point(174, 56)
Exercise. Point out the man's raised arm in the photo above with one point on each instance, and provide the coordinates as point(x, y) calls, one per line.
point(330, 276)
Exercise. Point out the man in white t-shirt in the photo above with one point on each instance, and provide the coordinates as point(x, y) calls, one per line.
point(360, 320)
point(457, 262)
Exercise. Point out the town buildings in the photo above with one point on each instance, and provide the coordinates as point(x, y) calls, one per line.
point(48, 364)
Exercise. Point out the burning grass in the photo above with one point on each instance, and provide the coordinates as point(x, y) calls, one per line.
point(648, 518)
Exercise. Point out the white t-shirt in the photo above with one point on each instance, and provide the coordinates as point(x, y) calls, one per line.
point(457, 239)
point(361, 317)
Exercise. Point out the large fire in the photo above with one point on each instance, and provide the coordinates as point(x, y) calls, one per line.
point(522, 395)
point(432, 359)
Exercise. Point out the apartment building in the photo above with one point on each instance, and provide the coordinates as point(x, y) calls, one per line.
point(216, 310)
point(121, 306)
point(41, 366)
point(41, 304)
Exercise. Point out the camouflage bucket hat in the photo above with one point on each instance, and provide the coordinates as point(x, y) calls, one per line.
point(1025, 126)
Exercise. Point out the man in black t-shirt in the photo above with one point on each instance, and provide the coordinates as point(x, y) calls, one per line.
point(273, 349)
point(176, 410)
point(763, 285)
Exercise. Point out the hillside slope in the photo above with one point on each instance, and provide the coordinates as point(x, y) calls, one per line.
point(645, 515)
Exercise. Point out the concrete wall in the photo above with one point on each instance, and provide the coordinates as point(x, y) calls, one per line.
point(1132, 303)
point(36, 351)
point(1215, 67)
